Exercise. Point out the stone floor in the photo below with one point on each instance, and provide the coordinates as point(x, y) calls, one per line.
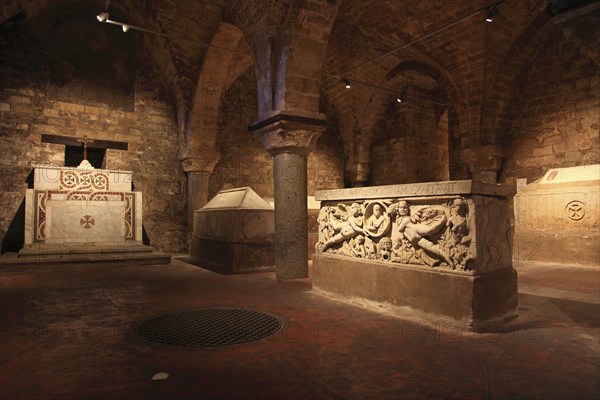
point(67, 333)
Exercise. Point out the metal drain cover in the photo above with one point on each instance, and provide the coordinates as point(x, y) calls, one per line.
point(209, 327)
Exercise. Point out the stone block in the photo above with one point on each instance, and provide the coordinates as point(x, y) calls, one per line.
point(229, 258)
point(478, 302)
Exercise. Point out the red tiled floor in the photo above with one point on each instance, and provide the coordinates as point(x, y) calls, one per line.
point(68, 334)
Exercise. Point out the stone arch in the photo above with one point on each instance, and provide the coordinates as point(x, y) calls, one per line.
point(219, 70)
point(497, 104)
point(289, 68)
point(379, 102)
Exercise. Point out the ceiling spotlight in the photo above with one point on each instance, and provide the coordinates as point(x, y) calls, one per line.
point(491, 13)
point(125, 27)
point(401, 97)
point(347, 84)
point(403, 94)
point(103, 16)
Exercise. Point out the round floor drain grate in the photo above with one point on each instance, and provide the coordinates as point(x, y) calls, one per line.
point(209, 327)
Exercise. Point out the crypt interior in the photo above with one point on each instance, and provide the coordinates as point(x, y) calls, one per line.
point(308, 103)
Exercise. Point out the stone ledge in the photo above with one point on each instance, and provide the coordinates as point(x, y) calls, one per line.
point(78, 248)
point(11, 263)
point(426, 189)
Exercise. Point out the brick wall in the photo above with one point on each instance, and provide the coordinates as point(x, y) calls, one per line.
point(554, 121)
point(411, 145)
point(29, 109)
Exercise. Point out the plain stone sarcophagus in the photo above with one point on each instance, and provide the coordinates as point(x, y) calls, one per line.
point(557, 219)
point(442, 250)
point(234, 232)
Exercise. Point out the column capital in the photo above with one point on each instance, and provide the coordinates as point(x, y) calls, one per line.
point(290, 132)
point(358, 173)
point(484, 162)
point(200, 161)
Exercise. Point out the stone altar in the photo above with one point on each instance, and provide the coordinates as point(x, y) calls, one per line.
point(82, 211)
point(442, 250)
point(234, 232)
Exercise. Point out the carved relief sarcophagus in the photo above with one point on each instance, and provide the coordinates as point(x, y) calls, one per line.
point(444, 248)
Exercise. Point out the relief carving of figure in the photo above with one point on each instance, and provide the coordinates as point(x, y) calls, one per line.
point(422, 234)
point(370, 248)
point(457, 235)
point(358, 246)
point(423, 229)
point(345, 223)
point(378, 222)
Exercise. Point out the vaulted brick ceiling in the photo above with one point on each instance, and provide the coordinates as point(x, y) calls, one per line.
point(363, 29)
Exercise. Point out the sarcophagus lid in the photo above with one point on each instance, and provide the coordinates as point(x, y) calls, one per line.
point(236, 215)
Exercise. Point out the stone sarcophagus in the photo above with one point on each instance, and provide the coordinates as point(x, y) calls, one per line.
point(557, 218)
point(234, 232)
point(441, 249)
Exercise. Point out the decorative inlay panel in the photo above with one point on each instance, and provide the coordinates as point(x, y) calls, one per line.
point(83, 180)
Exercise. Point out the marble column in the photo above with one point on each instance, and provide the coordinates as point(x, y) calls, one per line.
point(290, 142)
point(198, 169)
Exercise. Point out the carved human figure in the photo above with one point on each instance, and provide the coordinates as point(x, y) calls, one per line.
point(457, 224)
point(457, 234)
point(419, 228)
point(358, 246)
point(370, 249)
point(345, 224)
point(378, 222)
point(322, 221)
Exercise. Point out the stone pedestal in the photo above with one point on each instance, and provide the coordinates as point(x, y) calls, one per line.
point(557, 218)
point(439, 250)
point(82, 213)
point(234, 233)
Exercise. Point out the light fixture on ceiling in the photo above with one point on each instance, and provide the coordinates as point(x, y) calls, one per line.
point(103, 16)
point(492, 12)
point(403, 95)
point(347, 84)
point(433, 33)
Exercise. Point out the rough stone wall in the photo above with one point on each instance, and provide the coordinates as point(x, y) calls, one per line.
point(245, 162)
point(28, 110)
point(555, 116)
point(410, 146)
